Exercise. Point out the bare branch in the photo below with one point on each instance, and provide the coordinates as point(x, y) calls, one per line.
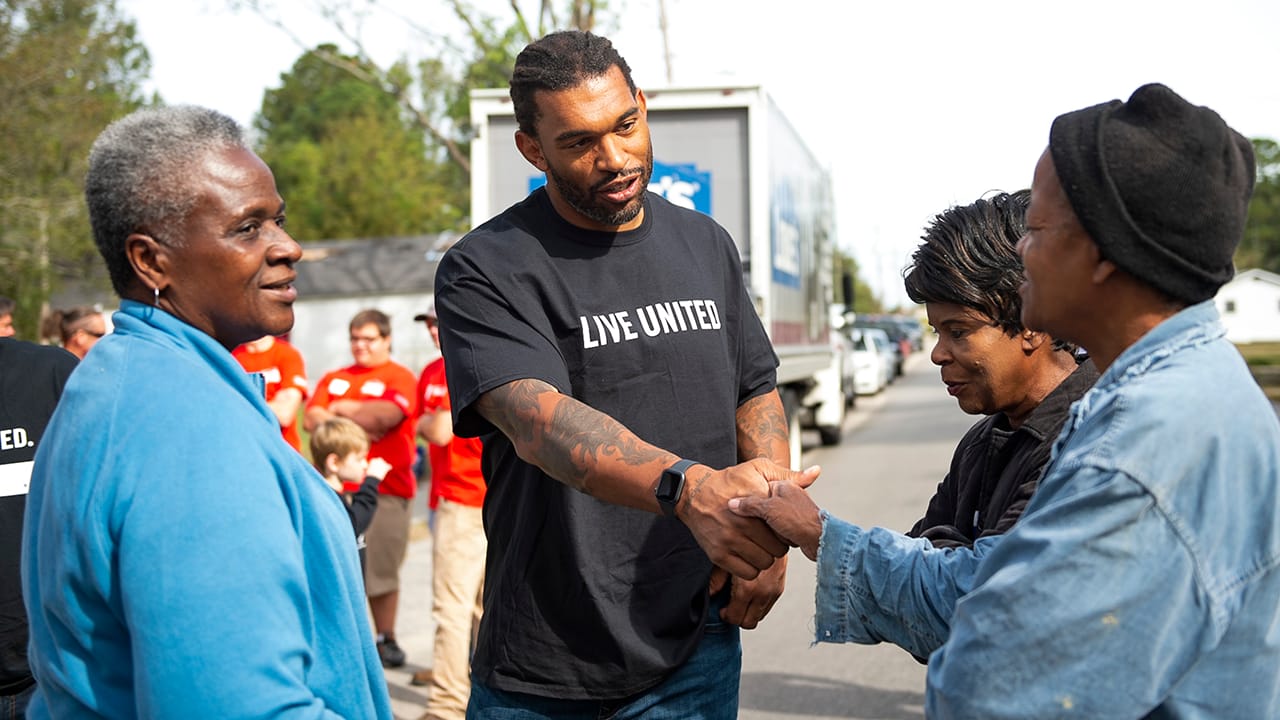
point(376, 77)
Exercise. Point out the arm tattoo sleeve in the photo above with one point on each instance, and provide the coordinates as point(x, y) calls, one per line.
point(762, 430)
point(568, 440)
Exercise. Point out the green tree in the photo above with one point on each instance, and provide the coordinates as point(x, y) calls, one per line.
point(844, 265)
point(347, 159)
point(1260, 247)
point(433, 95)
point(67, 69)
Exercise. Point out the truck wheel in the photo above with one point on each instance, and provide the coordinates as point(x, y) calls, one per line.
point(830, 435)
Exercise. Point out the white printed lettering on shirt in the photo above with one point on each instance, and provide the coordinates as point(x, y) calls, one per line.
point(654, 320)
point(15, 478)
point(373, 388)
point(14, 438)
point(338, 387)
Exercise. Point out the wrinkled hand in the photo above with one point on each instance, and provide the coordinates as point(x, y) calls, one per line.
point(750, 600)
point(740, 544)
point(378, 468)
point(789, 512)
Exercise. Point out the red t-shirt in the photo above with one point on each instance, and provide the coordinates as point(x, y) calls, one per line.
point(393, 382)
point(455, 468)
point(281, 366)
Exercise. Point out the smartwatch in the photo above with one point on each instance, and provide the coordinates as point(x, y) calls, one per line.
point(671, 486)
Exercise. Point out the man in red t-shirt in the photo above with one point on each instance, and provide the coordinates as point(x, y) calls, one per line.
point(458, 556)
point(286, 377)
point(378, 394)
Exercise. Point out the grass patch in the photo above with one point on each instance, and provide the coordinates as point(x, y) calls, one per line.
point(1265, 354)
point(1264, 361)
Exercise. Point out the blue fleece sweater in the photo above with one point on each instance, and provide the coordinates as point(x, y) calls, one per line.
point(179, 558)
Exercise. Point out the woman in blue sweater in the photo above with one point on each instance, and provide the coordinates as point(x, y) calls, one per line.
point(180, 559)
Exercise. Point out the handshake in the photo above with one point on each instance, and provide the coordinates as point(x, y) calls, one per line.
point(747, 516)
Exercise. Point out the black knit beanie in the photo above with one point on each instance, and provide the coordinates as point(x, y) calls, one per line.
point(1161, 185)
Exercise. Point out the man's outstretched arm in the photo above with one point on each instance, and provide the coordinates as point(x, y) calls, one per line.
point(594, 453)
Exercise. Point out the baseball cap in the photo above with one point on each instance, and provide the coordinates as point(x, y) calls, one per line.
point(430, 314)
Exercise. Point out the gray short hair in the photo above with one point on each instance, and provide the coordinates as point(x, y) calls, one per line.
point(138, 177)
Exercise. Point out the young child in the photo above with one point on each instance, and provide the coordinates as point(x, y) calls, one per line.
point(339, 450)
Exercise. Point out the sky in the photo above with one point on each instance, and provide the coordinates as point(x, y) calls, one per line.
point(914, 106)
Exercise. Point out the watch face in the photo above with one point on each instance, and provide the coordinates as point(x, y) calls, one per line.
point(667, 485)
point(671, 485)
point(669, 488)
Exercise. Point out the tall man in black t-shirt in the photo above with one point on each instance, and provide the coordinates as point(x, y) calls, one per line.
point(31, 380)
point(603, 343)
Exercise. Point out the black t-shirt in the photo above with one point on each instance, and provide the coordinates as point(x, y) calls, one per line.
point(653, 327)
point(31, 380)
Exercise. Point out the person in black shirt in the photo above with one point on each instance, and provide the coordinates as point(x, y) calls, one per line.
point(603, 343)
point(31, 381)
point(967, 273)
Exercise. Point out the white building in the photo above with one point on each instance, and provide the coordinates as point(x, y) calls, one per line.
point(337, 279)
point(1250, 307)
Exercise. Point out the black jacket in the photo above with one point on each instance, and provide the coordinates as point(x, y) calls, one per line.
point(31, 381)
point(995, 470)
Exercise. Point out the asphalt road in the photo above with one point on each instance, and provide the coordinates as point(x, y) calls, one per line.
point(896, 447)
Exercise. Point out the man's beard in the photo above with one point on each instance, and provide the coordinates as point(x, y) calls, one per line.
point(587, 206)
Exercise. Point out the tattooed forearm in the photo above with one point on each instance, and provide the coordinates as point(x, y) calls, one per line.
point(567, 439)
point(514, 408)
point(762, 429)
point(581, 439)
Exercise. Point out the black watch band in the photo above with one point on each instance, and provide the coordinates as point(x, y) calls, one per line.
point(671, 486)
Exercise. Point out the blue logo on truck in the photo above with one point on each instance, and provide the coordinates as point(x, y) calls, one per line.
point(683, 185)
point(786, 238)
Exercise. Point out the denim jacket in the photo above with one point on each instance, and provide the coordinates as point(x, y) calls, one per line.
point(1143, 580)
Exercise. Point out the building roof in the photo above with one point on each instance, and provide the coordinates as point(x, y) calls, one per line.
point(1257, 274)
point(377, 266)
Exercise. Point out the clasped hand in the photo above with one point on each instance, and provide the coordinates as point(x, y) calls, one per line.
point(741, 545)
point(789, 512)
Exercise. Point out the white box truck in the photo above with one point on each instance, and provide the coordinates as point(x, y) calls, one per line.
point(730, 153)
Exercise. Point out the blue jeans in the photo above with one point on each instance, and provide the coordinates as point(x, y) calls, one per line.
point(705, 687)
point(14, 707)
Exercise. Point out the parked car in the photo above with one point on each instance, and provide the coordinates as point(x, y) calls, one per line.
point(915, 332)
point(872, 359)
point(897, 337)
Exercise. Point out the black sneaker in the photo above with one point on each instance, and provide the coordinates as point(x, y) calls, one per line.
point(390, 653)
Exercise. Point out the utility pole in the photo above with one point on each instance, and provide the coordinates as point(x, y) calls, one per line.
point(666, 39)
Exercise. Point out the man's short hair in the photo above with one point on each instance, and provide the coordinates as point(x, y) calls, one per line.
point(338, 436)
point(559, 61)
point(373, 317)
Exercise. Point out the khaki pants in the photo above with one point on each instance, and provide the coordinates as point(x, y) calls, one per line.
point(457, 585)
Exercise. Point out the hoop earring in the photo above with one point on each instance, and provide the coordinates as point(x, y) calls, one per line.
point(157, 292)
